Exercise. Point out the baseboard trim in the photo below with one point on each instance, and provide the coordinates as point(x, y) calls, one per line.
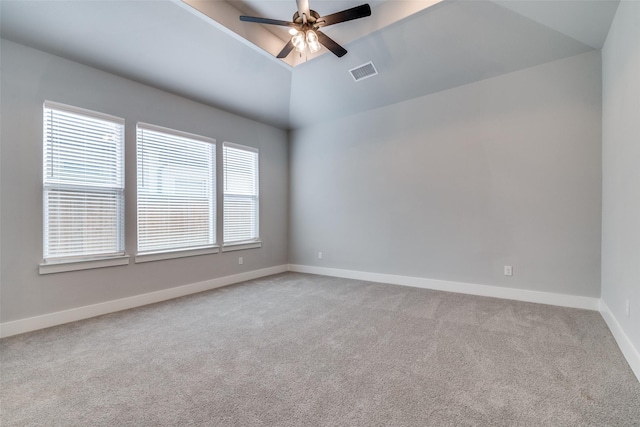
point(626, 346)
point(572, 301)
point(29, 324)
point(631, 354)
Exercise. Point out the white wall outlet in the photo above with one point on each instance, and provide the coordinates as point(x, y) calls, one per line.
point(240, 261)
point(627, 307)
point(508, 270)
point(319, 255)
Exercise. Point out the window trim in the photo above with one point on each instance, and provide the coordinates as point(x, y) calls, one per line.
point(243, 244)
point(83, 262)
point(175, 253)
point(171, 253)
point(83, 111)
point(176, 132)
point(240, 246)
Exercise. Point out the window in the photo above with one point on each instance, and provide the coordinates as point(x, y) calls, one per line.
point(240, 211)
point(83, 182)
point(176, 192)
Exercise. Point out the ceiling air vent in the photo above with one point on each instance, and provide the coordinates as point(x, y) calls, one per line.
point(363, 71)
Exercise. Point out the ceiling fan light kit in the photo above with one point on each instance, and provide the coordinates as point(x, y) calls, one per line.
point(305, 28)
point(312, 41)
point(298, 41)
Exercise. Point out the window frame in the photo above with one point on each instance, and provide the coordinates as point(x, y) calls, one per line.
point(56, 264)
point(254, 242)
point(177, 252)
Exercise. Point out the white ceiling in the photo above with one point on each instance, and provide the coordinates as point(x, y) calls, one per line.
point(230, 64)
point(272, 38)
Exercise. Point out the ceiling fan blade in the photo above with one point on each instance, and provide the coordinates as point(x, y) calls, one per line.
point(334, 47)
point(286, 50)
point(303, 7)
point(267, 21)
point(346, 15)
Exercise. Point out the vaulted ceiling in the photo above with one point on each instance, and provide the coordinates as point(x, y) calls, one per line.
point(200, 49)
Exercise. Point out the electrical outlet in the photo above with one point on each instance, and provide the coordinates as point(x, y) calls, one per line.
point(508, 270)
point(240, 261)
point(319, 255)
point(627, 307)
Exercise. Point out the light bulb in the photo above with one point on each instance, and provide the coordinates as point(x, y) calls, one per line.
point(298, 41)
point(312, 41)
point(293, 31)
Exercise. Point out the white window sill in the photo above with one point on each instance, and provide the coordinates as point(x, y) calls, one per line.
point(241, 246)
point(85, 264)
point(159, 256)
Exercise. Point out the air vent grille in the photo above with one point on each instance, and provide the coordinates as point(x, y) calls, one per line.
point(363, 71)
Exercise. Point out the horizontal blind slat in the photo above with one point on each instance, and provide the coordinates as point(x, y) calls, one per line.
point(86, 153)
point(176, 191)
point(240, 209)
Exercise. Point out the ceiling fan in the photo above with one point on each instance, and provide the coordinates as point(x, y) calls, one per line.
point(305, 26)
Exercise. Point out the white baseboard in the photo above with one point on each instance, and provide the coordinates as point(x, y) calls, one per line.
point(58, 318)
point(626, 346)
point(550, 298)
point(52, 319)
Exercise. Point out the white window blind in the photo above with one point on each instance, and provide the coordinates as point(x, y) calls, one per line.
point(83, 181)
point(240, 211)
point(176, 190)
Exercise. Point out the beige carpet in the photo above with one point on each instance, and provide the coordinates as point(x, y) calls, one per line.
point(304, 350)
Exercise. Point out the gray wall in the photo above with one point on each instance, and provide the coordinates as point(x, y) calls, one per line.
point(621, 169)
point(28, 78)
point(455, 185)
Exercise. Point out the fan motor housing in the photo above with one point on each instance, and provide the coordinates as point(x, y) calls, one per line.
point(310, 19)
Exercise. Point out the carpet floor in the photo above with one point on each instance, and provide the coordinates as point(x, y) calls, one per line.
point(304, 350)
